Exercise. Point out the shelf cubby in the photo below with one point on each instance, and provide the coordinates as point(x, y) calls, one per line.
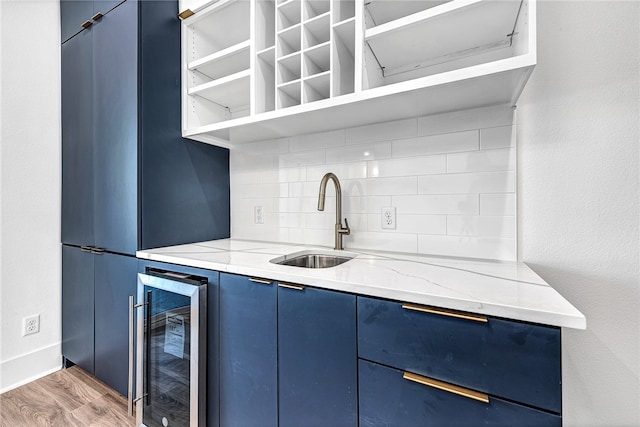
point(265, 81)
point(317, 60)
point(289, 41)
point(317, 31)
point(343, 10)
point(289, 14)
point(317, 87)
point(230, 92)
point(220, 64)
point(220, 26)
point(265, 24)
point(343, 62)
point(314, 8)
point(289, 68)
point(289, 94)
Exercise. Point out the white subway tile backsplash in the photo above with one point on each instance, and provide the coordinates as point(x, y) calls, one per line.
point(411, 224)
point(391, 242)
point(467, 204)
point(302, 158)
point(481, 226)
point(382, 132)
point(436, 144)
point(315, 141)
point(355, 153)
point(451, 178)
point(500, 137)
point(498, 204)
point(391, 186)
point(342, 171)
point(468, 246)
point(409, 166)
point(482, 161)
point(462, 183)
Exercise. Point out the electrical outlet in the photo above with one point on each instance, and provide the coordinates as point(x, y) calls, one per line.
point(389, 218)
point(258, 214)
point(31, 325)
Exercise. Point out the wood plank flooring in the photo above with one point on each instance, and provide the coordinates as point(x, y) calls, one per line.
point(67, 398)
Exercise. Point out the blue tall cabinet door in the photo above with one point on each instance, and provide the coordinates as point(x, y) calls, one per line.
point(248, 352)
point(317, 358)
point(77, 140)
point(73, 13)
point(77, 307)
point(115, 280)
point(115, 101)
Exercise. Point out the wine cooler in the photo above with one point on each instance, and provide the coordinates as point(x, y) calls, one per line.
point(170, 347)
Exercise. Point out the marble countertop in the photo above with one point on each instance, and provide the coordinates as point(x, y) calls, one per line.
point(504, 289)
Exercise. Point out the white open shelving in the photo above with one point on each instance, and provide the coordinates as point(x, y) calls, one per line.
point(261, 69)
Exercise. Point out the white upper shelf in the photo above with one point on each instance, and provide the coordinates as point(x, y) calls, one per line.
point(459, 27)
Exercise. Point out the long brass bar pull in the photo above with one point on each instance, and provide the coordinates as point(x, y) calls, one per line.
point(261, 281)
point(290, 286)
point(440, 385)
point(443, 312)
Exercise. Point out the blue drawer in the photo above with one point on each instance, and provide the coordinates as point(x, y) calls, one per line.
point(388, 399)
point(512, 360)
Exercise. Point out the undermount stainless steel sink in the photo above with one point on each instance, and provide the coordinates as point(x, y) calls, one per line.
point(313, 259)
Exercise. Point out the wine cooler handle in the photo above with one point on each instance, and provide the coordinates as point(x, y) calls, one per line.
point(131, 400)
point(131, 353)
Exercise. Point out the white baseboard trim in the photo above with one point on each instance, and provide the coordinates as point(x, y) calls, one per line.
point(29, 367)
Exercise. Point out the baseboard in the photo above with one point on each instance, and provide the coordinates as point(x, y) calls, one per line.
point(31, 366)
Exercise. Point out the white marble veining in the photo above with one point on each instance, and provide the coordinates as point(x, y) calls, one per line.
point(504, 289)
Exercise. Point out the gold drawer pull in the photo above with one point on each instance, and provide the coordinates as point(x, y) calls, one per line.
point(443, 312)
point(97, 16)
point(86, 24)
point(461, 391)
point(185, 14)
point(261, 281)
point(290, 286)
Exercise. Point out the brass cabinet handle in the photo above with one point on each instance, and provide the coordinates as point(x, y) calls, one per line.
point(185, 14)
point(97, 251)
point(290, 286)
point(261, 281)
point(86, 24)
point(440, 385)
point(443, 312)
point(97, 16)
point(85, 248)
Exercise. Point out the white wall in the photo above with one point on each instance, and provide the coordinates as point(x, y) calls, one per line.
point(451, 178)
point(578, 143)
point(30, 281)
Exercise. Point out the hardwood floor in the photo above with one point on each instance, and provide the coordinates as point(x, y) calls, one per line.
point(67, 398)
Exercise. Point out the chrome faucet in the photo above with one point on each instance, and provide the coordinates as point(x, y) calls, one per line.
point(339, 230)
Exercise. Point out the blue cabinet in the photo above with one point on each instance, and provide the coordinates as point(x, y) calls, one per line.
point(387, 398)
point(512, 360)
point(114, 281)
point(129, 180)
point(316, 357)
point(78, 306)
point(78, 15)
point(248, 352)
point(95, 312)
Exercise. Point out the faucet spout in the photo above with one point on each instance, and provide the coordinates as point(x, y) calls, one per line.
point(339, 229)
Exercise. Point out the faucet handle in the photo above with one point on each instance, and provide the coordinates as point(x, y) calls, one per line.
point(346, 230)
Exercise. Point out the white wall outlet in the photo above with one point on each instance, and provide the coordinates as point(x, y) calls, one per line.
point(31, 325)
point(258, 214)
point(389, 218)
